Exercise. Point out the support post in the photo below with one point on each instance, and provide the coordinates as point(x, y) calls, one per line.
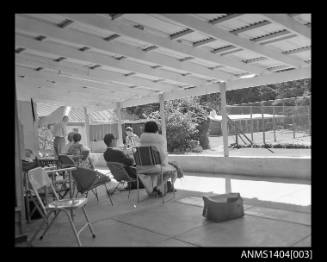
point(293, 118)
point(309, 115)
point(222, 87)
point(119, 126)
point(251, 122)
point(162, 116)
point(284, 113)
point(263, 125)
point(274, 124)
point(87, 128)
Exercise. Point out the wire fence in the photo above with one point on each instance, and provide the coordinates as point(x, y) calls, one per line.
point(269, 124)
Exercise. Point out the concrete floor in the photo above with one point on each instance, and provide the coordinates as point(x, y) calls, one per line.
point(276, 214)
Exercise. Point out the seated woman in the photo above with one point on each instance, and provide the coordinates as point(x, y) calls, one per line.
point(113, 154)
point(70, 142)
point(151, 137)
point(77, 149)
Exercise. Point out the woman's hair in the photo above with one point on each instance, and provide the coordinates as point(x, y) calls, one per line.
point(108, 139)
point(70, 136)
point(28, 152)
point(129, 129)
point(151, 127)
point(77, 137)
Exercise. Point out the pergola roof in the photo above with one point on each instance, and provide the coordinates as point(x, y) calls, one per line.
point(97, 60)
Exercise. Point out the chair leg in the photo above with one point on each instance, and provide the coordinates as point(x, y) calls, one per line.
point(108, 193)
point(73, 227)
point(138, 189)
point(88, 222)
point(96, 194)
point(49, 225)
point(45, 220)
point(129, 189)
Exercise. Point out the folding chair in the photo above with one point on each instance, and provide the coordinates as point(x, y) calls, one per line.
point(38, 178)
point(148, 162)
point(120, 174)
point(88, 180)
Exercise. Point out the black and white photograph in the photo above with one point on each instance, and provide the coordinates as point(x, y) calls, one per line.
point(165, 130)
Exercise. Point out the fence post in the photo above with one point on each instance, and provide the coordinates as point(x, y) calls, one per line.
point(274, 124)
point(251, 122)
point(263, 125)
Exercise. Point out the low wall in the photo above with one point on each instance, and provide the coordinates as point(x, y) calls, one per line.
point(296, 168)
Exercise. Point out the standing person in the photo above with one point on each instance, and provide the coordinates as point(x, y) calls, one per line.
point(151, 137)
point(132, 140)
point(59, 133)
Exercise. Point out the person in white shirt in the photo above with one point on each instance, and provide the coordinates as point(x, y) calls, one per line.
point(132, 140)
point(151, 137)
point(59, 133)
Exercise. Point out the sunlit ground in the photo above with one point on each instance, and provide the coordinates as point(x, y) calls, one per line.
point(289, 193)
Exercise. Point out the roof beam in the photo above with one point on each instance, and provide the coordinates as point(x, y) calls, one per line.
point(290, 24)
point(297, 50)
point(32, 26)
point(91, 57)
point(27, 89)
point(98, 75)
point(250, 27)
point(224, 18)
point(91, 87)
point(204, 41)
point(181, 33)
point(278, 39)
point(125, 30)
point(198, 25)
point(273, 78)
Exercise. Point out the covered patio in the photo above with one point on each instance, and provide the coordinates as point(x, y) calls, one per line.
point(115, 61)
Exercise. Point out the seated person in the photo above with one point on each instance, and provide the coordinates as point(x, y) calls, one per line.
point(132, 140)
point(70, 142)
point(151, 137)
point(29, 156)
point(77, 149)
point(113, 154)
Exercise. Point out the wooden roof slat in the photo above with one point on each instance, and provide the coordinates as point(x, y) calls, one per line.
point(198, 25)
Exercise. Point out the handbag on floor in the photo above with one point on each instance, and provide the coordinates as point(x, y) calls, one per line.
point(223, 207)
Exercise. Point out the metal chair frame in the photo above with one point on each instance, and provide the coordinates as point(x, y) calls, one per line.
point(149, 158)
point(120, 174)
point(57, 206)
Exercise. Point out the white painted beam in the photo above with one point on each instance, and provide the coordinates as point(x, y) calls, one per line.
point(218, 33)
point(62, 81)
point(96, 58)
point(119, 125)
point(87, 127)
point(163, 117)
point(224, 127)
point(125, 30)
point(30, 25)
point(289, 23)
point(272, 78)
point(25, 91)
point(99, 75)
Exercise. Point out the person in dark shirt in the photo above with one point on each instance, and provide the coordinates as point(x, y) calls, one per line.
point(113, 154)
